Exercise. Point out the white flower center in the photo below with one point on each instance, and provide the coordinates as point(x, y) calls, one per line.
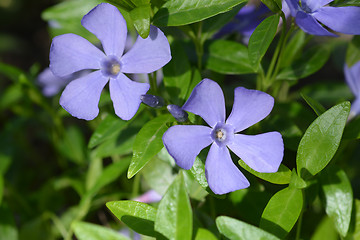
point(110, 66)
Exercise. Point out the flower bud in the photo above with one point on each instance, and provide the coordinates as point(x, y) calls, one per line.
point(152, 100)
point(179, 114)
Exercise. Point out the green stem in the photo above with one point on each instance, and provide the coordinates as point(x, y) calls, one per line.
point(276, 53)
point(136, 186)
point(153, 83)
point(298, 226)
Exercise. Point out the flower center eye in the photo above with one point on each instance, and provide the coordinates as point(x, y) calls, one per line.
point(110, 66)
point(220, 134)
point(115, 68)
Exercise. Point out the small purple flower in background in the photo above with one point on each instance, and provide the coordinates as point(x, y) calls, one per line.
point(70, 53)
point(150, 196)
point(263, 152)
point(51, 84)
point(311, 12)
point(352, 77)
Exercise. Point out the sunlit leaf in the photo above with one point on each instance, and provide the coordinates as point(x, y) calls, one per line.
point(89, 231)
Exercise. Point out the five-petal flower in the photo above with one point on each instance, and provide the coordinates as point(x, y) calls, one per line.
point(70, 53)
point(263, 152)
point(340, 19)
point(352, 77)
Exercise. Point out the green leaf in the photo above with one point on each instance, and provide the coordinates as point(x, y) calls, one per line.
point(7, 224)
point(356, 233)
point(174, 215)
point(282, 211)
point(89, 231)
point(352, 129)
point(177, 74)
point(195, 190)
point(158, 175)
point(212, 25)
point(338, 197)
point(73, 146)
point(235, 229)
point(261, 39)
point(176, 13)
point(138, 216)
point(282, 176)
point(10, 71)
point(310, 62)
point(296, 181)
point(325, 230)
point(293, 48)
point(227, 57)
point(204, 234)
point(198, 171)
point(110, 126)
point(110, 174)
point(1, 188)
point(321, 140)
point(315, 105)
point(148, 143)
point(274, 5)
point(141, 18)
point(353, 51)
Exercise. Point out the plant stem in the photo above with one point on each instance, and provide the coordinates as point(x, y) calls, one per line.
point(276, 53)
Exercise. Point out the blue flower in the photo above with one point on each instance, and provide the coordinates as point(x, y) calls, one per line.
point(70, 53)
point(309, 13)
point(352, 77)
point(263, 152)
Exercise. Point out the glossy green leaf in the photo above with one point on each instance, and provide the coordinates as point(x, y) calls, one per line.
point(110, 126)
point(89, 231)
point(296, 181)
point(204, 234)
point(321, 140)
point(261, 39)
point(176, 13)
point(310, 62)
point(195, 190)
point(353, 51)
point(282, 176)
point(177, 74)
point(198, 171)
point(141, 19)
point(137, 215)
point(282, 212)
point(236, 229)
point(315, 105)
point(174, 215)
point(345, 3)
point(325, 230)
point(227, 57)
point(148, 143)
point(338, 197)
point(8, 229)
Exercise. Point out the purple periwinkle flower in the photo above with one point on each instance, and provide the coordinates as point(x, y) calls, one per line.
point(71, 53)
point(263, 152)
point(50, 83)
point(309, 13)
point(352, 77)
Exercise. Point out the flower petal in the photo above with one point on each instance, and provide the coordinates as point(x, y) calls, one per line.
point(70, 53)
point(147, 55)
point(293, 6)
point(352, 77)
point(355, 108)
point(125, 95)
point(221, 173)
point(81, 96)
point(109, 26)
point(340, 19)
point(185, 142)
point(250, 107)
point(315, 4)
point(207, 100)
point(263, 152)
point(309, 25)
